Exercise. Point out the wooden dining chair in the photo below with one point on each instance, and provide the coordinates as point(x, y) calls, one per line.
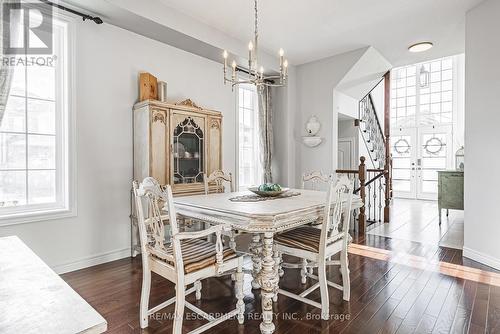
point(186, 259)
point(315, 180)
point(215, 183)
point(318, 245)
point(217, 178)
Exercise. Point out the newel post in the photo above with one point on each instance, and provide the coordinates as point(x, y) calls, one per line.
point(362, 194)
point(387, 129)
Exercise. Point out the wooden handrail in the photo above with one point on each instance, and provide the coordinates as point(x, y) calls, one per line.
point(375, 178)
point(375, 170)
point(347, 171)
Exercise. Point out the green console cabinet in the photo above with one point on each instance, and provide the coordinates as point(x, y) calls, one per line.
point(450, 191)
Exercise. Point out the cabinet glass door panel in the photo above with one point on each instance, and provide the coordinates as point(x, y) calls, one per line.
point(188, 152)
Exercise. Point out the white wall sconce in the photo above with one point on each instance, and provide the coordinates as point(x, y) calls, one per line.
point(312, 128)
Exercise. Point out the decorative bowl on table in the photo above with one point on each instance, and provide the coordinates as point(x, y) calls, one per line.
point(268, 190)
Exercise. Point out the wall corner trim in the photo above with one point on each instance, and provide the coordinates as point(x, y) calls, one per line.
point(482, 258)
point(92, 260)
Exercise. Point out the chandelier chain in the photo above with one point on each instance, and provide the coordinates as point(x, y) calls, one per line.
point(256, 24)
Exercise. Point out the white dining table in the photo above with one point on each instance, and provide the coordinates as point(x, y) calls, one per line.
point(262, 219)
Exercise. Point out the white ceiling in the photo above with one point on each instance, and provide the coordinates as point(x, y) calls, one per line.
point(315, 29)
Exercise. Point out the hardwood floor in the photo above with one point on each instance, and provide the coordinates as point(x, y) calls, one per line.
point(398, 286)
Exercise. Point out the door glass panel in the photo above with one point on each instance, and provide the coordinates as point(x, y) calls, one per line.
point(430, 187)
point(188, 152)
point(401, 185)
point(401, 163)
point(433, 150)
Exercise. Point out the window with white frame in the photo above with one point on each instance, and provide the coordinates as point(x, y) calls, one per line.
point(250, 170)
point(422, 94)
point(34, 134)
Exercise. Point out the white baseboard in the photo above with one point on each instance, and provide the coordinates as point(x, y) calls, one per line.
point(481, 258)
point(92, 260)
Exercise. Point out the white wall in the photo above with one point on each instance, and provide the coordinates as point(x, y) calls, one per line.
point(482, 139)
point(459, 105)
point(346, 105)
point(108, 60)
point(316, 82)
point(321, 88)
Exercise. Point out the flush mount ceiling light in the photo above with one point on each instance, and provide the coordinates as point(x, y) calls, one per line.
point(420, 47)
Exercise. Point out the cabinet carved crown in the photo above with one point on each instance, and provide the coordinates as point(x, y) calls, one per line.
point(176, 144)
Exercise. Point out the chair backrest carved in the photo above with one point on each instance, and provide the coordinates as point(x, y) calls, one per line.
point(218, 178)
point(316, 180)
point(337, 212)
point(149, 196)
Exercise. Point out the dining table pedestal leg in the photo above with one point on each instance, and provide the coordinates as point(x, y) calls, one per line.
point(256, 250)
point(268, 280)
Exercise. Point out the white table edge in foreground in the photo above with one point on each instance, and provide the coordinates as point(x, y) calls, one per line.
point(34, 299)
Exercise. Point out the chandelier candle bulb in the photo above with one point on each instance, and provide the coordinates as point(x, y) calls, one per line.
point(225, 64)
point(250, 55)
point(233, 65)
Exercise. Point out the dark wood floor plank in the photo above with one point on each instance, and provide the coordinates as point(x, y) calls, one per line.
point(374, 302)
point(493, 320)
point(449, 309)
point(463, 315)
point(426, 325)
point(412, 313)
point(480, 307)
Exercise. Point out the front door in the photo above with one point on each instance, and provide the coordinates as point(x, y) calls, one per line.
point(418, 153)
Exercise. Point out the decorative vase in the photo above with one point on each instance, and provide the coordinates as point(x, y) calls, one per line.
point(162, 91)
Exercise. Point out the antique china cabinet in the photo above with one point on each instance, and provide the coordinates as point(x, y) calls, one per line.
point(176, 144)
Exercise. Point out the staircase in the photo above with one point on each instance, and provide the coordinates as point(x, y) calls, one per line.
point(371, 131)
point(374, 183)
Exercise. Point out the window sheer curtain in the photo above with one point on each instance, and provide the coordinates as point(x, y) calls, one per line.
point(7, 72)
point(266, 131)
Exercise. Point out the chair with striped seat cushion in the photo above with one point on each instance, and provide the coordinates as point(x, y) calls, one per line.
point(304, 237)
point(185, 259)
point(198, 254)
point(315, 180)
point(317, 246)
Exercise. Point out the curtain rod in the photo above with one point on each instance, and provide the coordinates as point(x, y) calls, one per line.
point(85, 17)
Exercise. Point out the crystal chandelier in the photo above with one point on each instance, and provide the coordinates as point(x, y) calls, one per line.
point(255, 74)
